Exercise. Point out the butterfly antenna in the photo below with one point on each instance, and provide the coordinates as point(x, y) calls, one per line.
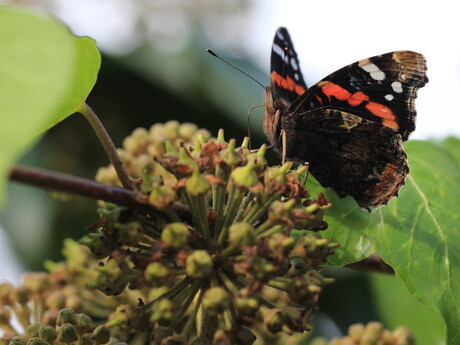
point(233, 66)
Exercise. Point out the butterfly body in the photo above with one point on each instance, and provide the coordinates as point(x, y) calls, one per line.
point(351, 125)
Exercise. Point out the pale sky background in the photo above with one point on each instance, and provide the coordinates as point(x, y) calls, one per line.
point(327, 36)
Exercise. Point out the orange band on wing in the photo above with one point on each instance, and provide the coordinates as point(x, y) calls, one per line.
point(287, 83)
point(357, 98)
point(331, 89)
point(382, 111)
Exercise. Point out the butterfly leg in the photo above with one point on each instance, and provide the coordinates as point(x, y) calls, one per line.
point(284, 144)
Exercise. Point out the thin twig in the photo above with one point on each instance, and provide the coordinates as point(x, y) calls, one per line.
point(109, 147)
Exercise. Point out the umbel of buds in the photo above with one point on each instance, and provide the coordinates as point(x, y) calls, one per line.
point(371, 334)
point(208, 260)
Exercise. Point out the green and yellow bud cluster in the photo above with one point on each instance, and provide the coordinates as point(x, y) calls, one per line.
point(373, 334)
point(220, 237)
point(142, 145)
point(67, 327)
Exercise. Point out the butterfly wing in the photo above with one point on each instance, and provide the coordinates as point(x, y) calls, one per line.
point(350, 126)
point(350, 154)
point(382, 88)
point(286, 79)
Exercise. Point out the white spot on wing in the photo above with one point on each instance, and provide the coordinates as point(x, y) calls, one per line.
point(389, 97)
point(278, 50)
point(280, 36)
point(373, 70)
point(296, 76)
point(397, 86)
point(294, 64)
point(378, 75)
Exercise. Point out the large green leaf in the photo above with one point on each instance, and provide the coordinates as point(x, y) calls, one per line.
point(46, 74)
point(397, 307)
point(418, 233)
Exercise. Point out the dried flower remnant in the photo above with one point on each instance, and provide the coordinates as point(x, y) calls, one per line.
point(204, 274)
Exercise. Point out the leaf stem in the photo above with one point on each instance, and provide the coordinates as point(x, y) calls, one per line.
point(108, 145)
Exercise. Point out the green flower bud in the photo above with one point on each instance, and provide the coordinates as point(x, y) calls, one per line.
point(242, 234)
point(280, 243)
point(36, 282)
point(67, 333)
point(220, 136)
point(130, 233)
point(356, 331)
point(66, 315)
point(127, 316)
point(101, 335)
point(18, 340)
point(36, 341)
point(100, 244)
point(84, 324)
point(156, 273)
point(175, 234)
point(274, 320)
point(50, 317)
point(171, 129)
point(6, 290)
point(215, 300)
point(244, 176)
point(137, 142)
point(279, 210)
point(229, 156)
point(113, 277)
point(21, 295)
point(199, 264)
point(55, 300)
point(187, 131)
point(372, 332)
point(247, 305)
point(163, 311)
point(154, 293)
point(403, 336)
point(162, 196)
point(74, 302)
point(48, 334)
point(34, 329)
point(86, 339)
point(197, 184)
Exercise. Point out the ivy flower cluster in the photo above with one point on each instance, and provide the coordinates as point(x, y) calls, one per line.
point(232, 252)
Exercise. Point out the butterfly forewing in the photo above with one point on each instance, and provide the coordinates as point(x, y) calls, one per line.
point(286, 79)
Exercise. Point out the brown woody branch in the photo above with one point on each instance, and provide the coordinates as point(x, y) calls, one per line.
point(79, 186)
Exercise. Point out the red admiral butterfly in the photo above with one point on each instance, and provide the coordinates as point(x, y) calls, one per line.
point(350, 126)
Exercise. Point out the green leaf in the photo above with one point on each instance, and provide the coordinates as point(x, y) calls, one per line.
point(417, 233)
point(46, 74)
point(397, 307)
